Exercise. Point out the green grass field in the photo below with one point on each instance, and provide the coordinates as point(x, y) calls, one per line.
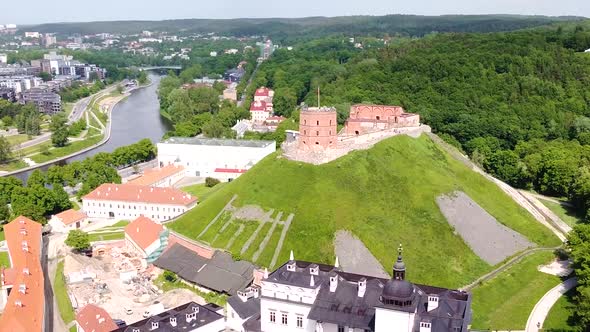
point(505, 302)
point(201, 190)
point(106, 236)
point(13, 166)
point(61, 295)
point(2, 235)
point(66, 150)
point(385, 196)
point(17, 139)
point(4, 259)
point(568, 214)
point(561, 315)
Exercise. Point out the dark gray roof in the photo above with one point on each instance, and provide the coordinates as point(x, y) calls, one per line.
point(345, 307)
point(220, 273)
point(203, 317)
point(252, 324)
point(244, 309)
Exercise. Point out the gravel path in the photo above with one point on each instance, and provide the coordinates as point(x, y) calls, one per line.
point(490, 240)
point(354, 257)
point(286, 226)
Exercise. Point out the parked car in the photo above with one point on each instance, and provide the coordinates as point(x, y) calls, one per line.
point(87, 252)
point(128, 311)
point(120, 322)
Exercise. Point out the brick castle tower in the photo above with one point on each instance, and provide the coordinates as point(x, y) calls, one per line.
point(318, 128)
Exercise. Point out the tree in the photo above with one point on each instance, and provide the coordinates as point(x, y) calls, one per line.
point(170, 276)
point(33, 203)
point(62, 200)
point(120, 89)
point(28, 120)
point(93, 77)
point(142, 77)
point(36, 179)
point(46, 77)
point(4, 213)
point(211, 182)
point(59, 130)
point(78, 240)
point(7, 121)
point(5, 150)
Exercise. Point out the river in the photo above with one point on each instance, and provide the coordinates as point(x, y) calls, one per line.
point(133, 119)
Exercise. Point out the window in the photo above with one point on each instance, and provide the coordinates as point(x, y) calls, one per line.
point(299, 321)
point(272, 317)
point(305, 132)
point(284, 318)
point(340, 328)
point(317, 133)
point(304, 122)
point(318, 123)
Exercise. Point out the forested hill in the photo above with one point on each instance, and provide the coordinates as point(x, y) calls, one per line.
point(284, 29)
point(517, 102)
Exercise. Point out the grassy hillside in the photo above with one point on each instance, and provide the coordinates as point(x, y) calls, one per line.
point(385, 196)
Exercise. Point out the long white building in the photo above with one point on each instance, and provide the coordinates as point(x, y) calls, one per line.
point(224, 159)
point(305, 296)
point(127, 201)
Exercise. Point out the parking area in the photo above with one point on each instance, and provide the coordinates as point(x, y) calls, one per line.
point(121, 283)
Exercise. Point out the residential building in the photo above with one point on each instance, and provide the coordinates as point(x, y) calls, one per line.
point(189, 317)
point(165, 176)
point(49, 39)
point(218, 273)
point(318, 128)
point(264, 94)
point(3, 58)
point(305, 296)
point(242, 307)
point(146, 237)
point(23, 284)
point(126, 201)
point(20, 83)
point(365, 119)
point(68, 220)
point(260, 111)
point(224, 159)
point(32, 34)
point(47, 102)
point(94, 319)
point(7, 94)
point(213, 54)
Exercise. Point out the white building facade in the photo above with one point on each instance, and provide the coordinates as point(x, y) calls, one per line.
point(213, 157)
point(125, 201)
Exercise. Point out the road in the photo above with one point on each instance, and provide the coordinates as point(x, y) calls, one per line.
point(542, 308)
point(77, 111)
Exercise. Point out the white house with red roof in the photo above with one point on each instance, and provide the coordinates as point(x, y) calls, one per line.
point(129, 201)
point(68, 220)
point(259, 111)
point(146, 238)
point(264, 94)
point(94, 319)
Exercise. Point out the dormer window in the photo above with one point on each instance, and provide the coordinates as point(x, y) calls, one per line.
point(195, 309)
point(173, 321)
point(135, 330)
point(314, 270)
point(433, 298)
point(22, 288)
point(155, 325)
point(26, 270)
point(291, 266)
point(425, 325)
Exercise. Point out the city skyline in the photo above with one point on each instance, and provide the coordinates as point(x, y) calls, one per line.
point(113, 10)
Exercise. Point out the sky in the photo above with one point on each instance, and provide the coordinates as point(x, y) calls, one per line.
point(47, 11)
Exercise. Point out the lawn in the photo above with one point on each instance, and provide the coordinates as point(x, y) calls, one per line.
point(17, 139)
point(566, 213)
point(561, 314)
point(61, 295)
point(266, 256)
point(66, 150)
point(4, 259)
point(249, 228)
point(201, 190)
point(385, 196)
point(76, 205)
point(505, 302)
point(67, 108)
point(13, 166)
point(106, 236)
point(1, 235)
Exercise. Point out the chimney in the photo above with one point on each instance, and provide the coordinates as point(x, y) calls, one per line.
point(314, 269)
point(432, 302)
point(100, 320)
point(26, 271)
point(18, 303)
point(425, 326)
point(256, 292)
point(333, 282)
point(362, 287)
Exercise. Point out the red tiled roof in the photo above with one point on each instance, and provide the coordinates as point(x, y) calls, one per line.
point(258, 106)
point(8, 276)
point(144, 231)
point(153, 176)
point(262, 92)
point(230, 170)
point(140, 194)
point(95, 319)
point(24, 309)
point(71, 216)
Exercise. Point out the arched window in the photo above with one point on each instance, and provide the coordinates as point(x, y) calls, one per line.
point(318, 122)
point(304, 122)
point(317, 133)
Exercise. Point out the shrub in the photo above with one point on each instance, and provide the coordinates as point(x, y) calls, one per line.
point(170, 276)
point(211, 182)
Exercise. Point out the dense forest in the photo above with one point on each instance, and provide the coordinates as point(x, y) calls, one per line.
point(289, 30)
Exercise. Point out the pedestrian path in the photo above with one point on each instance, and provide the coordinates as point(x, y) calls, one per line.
point(542, 308)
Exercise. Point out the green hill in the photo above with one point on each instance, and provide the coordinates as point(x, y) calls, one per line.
point(385, 196)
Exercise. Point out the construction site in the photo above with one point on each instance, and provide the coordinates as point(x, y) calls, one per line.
point(121, 283)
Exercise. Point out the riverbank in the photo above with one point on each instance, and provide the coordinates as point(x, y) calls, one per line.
point(82, 146)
